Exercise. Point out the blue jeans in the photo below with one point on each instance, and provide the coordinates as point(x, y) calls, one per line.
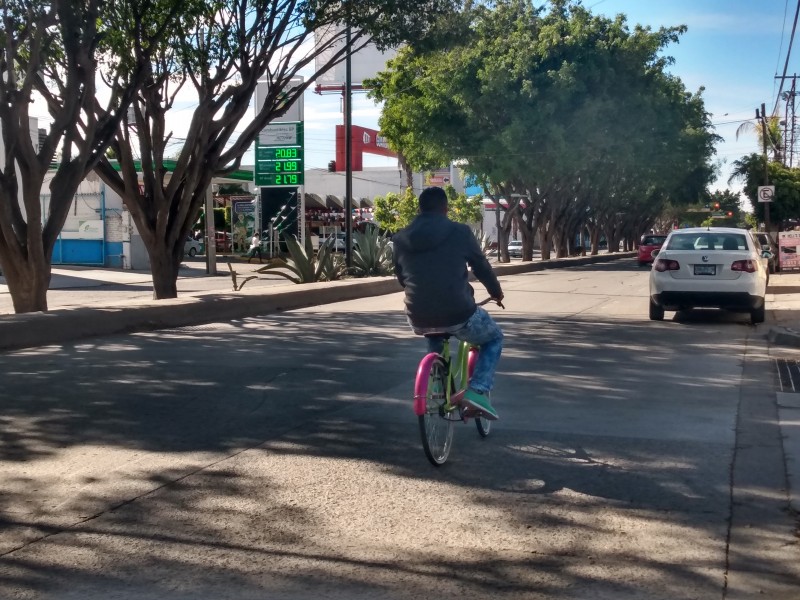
point(479, 330)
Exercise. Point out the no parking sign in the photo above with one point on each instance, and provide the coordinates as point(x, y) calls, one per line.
point(766, 193)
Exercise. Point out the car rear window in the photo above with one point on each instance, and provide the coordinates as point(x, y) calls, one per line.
point(653, 240)
point(708, 241)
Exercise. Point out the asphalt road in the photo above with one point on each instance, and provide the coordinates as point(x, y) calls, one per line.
point(278, 457)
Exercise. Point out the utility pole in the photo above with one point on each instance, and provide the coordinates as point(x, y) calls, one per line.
point(764, 133)
point(788, 123)
point(348, 152)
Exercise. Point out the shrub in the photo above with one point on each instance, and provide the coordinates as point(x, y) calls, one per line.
point(306, 266)
point(372, 254)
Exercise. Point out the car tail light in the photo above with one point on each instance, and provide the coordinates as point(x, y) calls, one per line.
point(665, 264)
point(747, 266)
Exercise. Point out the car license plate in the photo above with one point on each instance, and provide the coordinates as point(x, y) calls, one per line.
point(705, 269)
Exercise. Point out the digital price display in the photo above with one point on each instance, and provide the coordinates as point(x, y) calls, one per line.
point(279, 165)
point(282, 166)
point(279, 153)
point(265, 179)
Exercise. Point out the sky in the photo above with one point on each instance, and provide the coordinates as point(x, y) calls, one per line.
point(732, 48)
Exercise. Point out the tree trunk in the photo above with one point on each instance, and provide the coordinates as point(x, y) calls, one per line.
point(558, 243)
point(28, 286)
point(165, 274)
point(407, 170)
point(544, 240)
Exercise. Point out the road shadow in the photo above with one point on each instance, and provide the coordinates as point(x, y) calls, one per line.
point(205, 421)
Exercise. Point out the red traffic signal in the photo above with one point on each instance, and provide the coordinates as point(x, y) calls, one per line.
point(730, 213)
point(716, 205)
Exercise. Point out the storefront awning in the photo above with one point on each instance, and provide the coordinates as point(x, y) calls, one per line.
point(334, 202)
point(314, 201)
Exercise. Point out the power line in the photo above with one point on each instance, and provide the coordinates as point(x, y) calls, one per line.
point(783, 33)
point(788, 54)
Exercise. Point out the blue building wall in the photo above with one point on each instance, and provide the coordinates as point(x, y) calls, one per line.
point(88, 252)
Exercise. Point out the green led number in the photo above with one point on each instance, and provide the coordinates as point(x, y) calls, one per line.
point(289, 166)
point(285, 152)
point(289, 179)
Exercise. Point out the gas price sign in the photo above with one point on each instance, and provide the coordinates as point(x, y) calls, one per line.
point(280, 165)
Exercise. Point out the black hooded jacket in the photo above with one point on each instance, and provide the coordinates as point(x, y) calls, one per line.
point(430, 260)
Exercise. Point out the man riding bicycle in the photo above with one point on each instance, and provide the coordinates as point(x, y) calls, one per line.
point(430, 260)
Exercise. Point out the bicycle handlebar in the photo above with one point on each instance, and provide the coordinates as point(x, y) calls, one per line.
point(490, 299)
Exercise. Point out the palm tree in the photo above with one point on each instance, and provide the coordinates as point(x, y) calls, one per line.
point(774, 135)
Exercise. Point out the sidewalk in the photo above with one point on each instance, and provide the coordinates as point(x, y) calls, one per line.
point(783, 302)
point(69, 285)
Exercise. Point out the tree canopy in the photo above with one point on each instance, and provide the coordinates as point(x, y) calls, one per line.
point(785, 205)
point(145, 52)
point(572, 112)
point(223, 52)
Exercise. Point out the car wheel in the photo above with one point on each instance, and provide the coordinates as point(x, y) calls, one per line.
point(656, 312)
point(757, 315)
point(192, 252)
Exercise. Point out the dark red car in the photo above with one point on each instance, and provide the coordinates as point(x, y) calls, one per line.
point(648, 243)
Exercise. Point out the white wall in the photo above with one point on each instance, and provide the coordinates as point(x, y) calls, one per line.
point(371, 182)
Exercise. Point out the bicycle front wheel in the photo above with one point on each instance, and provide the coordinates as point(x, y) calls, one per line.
point(435, 426)
point(483, 425)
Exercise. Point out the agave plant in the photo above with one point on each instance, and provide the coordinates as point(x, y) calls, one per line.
point(372, 254)
point(484, 241)
point(305, 266)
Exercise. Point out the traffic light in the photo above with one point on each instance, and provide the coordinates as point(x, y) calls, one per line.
point(716, 205)
point(331, 166)
point(730, 213)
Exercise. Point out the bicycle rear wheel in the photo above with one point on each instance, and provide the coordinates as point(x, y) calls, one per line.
point(435, 426)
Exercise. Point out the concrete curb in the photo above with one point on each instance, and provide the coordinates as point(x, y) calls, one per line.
point(64, 325)
point(784, 336)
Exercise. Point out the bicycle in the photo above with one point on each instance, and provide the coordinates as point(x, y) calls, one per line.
point(438, 389)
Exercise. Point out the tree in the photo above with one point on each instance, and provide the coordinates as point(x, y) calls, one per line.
point(772, 132)
point(574, 113)
point(53, 51)
point(394, 211)
point(726, 204)
point(785, 204)
point(462, 209)
point(223, 52)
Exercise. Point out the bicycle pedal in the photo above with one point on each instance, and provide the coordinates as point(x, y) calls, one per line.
point(457, 398)
point(470, 413)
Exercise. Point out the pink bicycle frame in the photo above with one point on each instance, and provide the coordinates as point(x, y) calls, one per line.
point(421, 381)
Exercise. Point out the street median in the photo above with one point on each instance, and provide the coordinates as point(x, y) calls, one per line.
point(68, 324)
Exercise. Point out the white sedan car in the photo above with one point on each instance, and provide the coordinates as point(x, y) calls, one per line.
point(717, 267)
point(192, 247)
point(515, 248)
